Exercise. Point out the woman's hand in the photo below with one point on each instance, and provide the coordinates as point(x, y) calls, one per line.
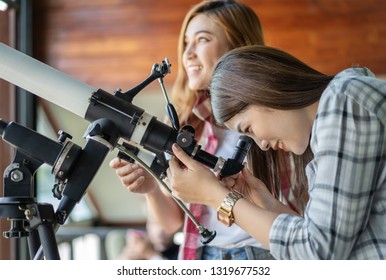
point(253, 189)
point(138, 247)
point(193, 182)
point(136, 179)
point(256, 192)
point(133, 177)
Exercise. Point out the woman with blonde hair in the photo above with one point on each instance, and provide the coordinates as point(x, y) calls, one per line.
point(209, 30)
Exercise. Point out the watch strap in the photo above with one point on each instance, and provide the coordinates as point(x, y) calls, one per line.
point(224, 211)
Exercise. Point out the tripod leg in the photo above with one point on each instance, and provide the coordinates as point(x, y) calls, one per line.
point(42, 218)
point(33, 242)
point(47, 237)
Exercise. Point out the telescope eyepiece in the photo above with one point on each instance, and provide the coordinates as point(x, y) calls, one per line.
point(242, 147)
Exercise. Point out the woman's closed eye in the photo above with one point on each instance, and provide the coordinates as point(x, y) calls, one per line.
point(247, 130)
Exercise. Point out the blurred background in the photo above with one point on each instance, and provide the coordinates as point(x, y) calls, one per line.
point(112, 44)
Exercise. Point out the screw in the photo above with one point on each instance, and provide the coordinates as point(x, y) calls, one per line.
point(16, 176)
point(30, 213)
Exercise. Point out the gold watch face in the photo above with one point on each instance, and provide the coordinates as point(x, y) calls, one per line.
point(225, 216)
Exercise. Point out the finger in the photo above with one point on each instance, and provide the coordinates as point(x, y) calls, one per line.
point(174, 165)
point(130, 175)
point(183, 157)
point(173, 171)
point(132, 178)
point(169, 172)
point(126, 169)
point(229, 182)
point(251, 180)
point(248, 176)
point(115, 162)
point(134, 186)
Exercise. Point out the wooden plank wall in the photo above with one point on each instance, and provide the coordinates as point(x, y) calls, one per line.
point(114, 43)
point(6, 152)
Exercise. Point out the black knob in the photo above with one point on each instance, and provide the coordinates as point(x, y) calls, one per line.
point(17, 230)
point(63, 136)
point(207, 236)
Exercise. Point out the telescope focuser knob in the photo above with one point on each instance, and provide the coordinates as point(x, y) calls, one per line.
point(63, 136)
point(185, 139)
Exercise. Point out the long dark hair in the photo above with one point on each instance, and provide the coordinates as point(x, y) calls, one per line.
point(268, 77)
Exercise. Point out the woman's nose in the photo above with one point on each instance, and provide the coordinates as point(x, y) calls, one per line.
point(188, 52)
point(264, 145)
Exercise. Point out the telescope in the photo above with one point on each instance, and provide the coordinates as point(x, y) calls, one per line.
point(114, 123)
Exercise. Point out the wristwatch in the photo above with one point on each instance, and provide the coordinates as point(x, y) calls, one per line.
point(224, 211)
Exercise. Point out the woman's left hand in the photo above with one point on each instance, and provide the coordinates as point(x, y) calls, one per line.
point(192, 182)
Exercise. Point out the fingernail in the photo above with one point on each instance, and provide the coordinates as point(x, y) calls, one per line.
point(140, 179)
point(175, 146)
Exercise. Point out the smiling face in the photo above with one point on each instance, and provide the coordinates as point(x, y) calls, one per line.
point(205, 43)
point(289, 130)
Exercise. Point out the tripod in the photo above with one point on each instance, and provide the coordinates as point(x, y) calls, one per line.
point(73, 167)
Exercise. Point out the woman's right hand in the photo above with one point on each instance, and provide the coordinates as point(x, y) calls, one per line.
point(135, 178)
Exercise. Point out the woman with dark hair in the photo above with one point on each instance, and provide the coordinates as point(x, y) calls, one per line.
point(333, 126)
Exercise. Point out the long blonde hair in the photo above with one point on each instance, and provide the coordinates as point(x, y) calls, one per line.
point(242, 27)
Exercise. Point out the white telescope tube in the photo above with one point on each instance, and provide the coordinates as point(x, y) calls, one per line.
point(44, 81)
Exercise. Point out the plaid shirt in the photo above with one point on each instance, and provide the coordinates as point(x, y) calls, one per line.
point(346, 214)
